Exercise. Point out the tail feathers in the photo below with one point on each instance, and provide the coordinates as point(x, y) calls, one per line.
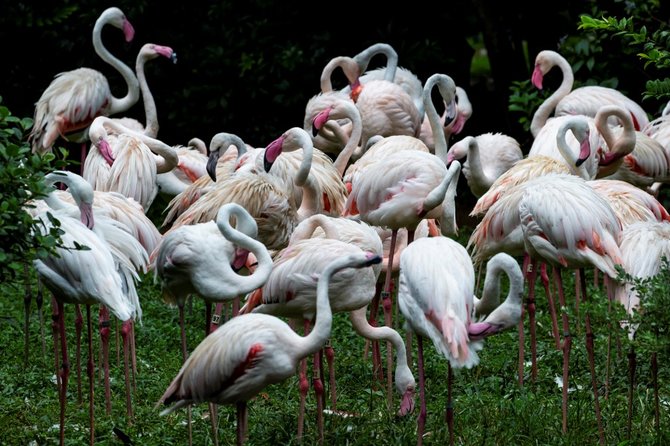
point(254, 300)
point(457, 346)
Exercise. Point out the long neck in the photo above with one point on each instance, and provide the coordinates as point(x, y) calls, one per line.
point(618, 147)
point(238, 236)
point(348, 66)
point(498, 265)
point(547, 107)
point(150, 112)
point(361, 325)
point(324, 315)
point(363, 59)
point(568, 153)
point(477, 174)
point(448, 225)
point(343, 158)
point(437, 196)
point(118, 105)
point(448, 92)
point(309, 204)
point(306, 229)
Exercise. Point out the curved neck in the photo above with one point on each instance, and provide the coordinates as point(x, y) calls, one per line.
point(491, 293)
point(118, 105)
point(618, 147)
point(243, 236)
point(78, 187)
point(309, 204)
point(363, 59)
point(307, 227)
point(348, 66)
point(545, 110)
point(351, 112)
point(477, 174)
point(448, 225)
point(150, 112)
point(359, 322)
point(218, 145)
point(447, 90)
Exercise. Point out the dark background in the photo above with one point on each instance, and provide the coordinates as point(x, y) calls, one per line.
point(249, 67)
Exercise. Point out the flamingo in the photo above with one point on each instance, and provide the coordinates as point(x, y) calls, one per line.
point(74, 98)
point(449, 127)
point(436, 297)
point(291, 288)
point(489, 155)
point(192, 165)
point(588, 235)
point(225, 165)
point(252, 351)
point(264, 195)
point(204, 258)
point(82, 276)
point(539, 164)
point(580, 101)
point(135, 160)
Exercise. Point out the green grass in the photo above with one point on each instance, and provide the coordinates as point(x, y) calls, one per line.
point(490, 406)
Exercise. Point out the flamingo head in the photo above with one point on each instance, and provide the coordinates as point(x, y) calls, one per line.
point(239, 259)
point(537, 77)
point(320, 120)
point(356, 89)
point(212, 161)
point(272, 151)
point(584, 151)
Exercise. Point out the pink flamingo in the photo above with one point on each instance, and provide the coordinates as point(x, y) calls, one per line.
point(588, 236)
point(85, 276)
point(74, 98)
point(436, 296)
point(252, 351)
point(580, 101)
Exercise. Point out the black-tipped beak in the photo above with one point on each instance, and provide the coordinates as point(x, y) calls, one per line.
point(267, 165)
point(212, 161)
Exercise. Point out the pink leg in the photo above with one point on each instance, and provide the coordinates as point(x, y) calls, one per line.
point(330, 359)
point(450, 404)
point(552, 305)
point(303, 385)
point(103, 320)
point(55, 328)
point(184, 355)
point(387, 305)
point(78, 325)
point(125, 332)
point(377, 371)
point(567, 344)
point(64, 372)
point(90, 371)
point(532, 277)
point(592, 362)
point(317, 382)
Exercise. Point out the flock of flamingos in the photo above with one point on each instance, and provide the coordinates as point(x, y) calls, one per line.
point(325, 217)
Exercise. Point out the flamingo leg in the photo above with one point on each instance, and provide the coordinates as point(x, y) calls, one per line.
point(125, 332)
point(552, 305)
point(303, 386)
point(39, 300)
point(317, 383)
point(567, 344)
point(241, 422)
point(64, 371)
point(103, 321)
point(184, 355)
point(387, 305)
point(590, 348)
point(78, 324)
point(421, 419)
point(330, 359)
point(90, 372)
point(377, 371)
point(133, 356)
point(56, 331)
point(531, 278)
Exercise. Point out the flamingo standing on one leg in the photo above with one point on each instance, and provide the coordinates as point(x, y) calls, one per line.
point(252, 351)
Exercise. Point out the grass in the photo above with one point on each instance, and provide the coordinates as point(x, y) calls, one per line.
point(490, 406)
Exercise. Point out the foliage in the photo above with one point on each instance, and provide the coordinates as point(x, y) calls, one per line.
point(651, 319)
point(21, 180)
point(525, 99)
point(653, 46)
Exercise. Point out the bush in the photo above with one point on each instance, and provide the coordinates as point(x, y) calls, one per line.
point(21, 180)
